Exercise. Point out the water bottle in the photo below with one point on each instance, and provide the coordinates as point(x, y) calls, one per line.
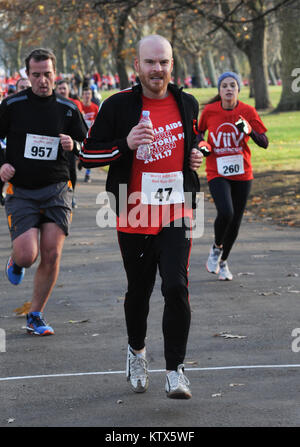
point(144, 150)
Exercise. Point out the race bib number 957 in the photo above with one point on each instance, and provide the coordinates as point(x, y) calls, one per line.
point(41, 147)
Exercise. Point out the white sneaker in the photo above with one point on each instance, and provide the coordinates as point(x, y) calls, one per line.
point(225, 274)
point(136, 371)
point(177, 384)
point(212, 264)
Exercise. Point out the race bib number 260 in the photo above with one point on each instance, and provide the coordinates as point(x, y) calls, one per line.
point(230, 165)
point(41, 147)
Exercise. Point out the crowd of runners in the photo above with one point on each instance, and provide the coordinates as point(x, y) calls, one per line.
point(152, 178)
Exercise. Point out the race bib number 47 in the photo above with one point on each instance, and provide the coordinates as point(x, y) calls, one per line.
point(41, 147)
point(162, 188)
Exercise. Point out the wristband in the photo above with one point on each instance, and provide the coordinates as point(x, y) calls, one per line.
point(205, 148)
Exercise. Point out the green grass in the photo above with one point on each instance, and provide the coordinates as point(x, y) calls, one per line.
point(283, 133)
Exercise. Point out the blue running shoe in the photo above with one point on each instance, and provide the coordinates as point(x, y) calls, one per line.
point(14, 273)
point(36, 325)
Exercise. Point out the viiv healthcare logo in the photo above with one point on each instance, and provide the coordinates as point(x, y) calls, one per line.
point(2, 340)
point(227, 139)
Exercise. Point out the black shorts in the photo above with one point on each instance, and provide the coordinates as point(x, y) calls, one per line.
point(29, 208)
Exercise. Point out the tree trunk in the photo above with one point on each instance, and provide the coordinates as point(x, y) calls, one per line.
point(199, 77)
point(234, 63)
point(81, 69)
point(256, 52)
point(97, 53)
point(255, 49)
point(122, 72)
point(18, 55)
point(61, 57)
point(175, 69)
point(290, 71)
point(211, 68)
point(251, 89)
point(119, 57)
point(277, 69)
point(272, 75)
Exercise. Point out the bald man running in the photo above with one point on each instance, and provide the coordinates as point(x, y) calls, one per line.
point(155, 237)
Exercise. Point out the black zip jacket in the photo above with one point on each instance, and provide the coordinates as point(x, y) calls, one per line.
point(26, 113)
point(107, 143)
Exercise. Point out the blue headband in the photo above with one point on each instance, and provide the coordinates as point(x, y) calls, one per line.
point(229, 74)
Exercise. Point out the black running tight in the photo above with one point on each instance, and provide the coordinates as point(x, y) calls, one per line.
point(168, 251)
point(230, 197)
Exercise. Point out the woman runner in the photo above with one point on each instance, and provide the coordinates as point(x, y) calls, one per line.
point(230, 123)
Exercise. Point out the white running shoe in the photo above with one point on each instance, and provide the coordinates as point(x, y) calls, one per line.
point(177, 384)
point(213, 261)
point(136, 371)
point(225, 274)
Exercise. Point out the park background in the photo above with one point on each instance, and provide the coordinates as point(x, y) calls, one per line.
point(259, 39)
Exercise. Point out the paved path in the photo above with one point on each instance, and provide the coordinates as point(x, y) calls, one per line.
point(76, 378)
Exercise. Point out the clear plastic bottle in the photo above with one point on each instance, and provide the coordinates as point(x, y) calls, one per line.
point(144, 150)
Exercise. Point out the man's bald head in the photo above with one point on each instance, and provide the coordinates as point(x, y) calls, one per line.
point(152, 39)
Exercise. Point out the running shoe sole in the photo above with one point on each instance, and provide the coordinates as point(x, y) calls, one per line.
point(31, 331)
point(211, 271)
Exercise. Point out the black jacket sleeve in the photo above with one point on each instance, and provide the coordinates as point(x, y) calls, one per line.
point(102, 147)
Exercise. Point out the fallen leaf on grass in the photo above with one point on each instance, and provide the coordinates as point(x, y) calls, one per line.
point(24, 309)
point(256, 200)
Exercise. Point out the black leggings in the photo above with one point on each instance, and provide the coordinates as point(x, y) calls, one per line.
point(169, 250)
point(230, 197)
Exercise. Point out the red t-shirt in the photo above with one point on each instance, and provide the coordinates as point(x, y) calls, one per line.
point(231, 156)
point(89, 113)
point(78, 103)
point(160, 179)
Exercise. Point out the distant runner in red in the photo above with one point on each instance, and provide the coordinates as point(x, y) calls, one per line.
point(230, 123)
point(89, 111)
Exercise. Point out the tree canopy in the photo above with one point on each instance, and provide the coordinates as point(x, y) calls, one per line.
point(208, 37)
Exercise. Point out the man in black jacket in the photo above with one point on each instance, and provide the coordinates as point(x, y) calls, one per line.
point(40, 127)
point(152, 211)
